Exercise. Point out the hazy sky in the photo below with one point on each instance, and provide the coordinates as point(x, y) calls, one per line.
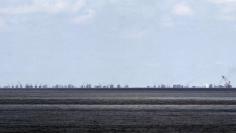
point(136, 42)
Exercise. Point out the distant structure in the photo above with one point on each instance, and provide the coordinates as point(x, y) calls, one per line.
point(178, 86)
point(227, 84)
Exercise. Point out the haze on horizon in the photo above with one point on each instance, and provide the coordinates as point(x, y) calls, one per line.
point(135, 42)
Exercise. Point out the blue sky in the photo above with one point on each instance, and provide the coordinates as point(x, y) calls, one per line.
point(136, 42)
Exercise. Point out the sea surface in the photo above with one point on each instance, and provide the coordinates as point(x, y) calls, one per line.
point(118, 111)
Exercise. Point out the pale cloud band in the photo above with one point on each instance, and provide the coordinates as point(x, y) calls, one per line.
point(52, 7)
point(44, 6)
point(224, 2)
point(79, 12)
point(227, 9)
point(84, 18)
point(182, 9)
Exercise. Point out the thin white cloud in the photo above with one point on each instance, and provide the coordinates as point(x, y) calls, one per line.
point(227, 9)
point(223, 1)
point(75, 9)
point(84, 18)
point(182, 9)
point(44, 6)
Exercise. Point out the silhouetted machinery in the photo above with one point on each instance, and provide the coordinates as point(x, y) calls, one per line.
point(227, 82)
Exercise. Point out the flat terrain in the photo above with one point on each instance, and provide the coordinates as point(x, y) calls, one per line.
point(116, 111)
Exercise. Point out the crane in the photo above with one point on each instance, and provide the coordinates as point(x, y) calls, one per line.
point(227, 82)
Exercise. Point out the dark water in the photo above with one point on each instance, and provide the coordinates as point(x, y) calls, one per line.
point(118, 111)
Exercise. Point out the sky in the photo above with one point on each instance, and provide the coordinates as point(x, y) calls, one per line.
point(135, 42)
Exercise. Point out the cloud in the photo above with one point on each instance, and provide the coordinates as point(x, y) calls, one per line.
point(227, 9)
point(182, 9)
point(44, 6)
point(223, 1)
point(84, 18)
point(75, 9)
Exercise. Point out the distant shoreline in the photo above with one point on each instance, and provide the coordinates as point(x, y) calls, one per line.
point(137, 89)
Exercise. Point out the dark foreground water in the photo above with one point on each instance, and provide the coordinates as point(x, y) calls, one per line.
point(118, 111)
